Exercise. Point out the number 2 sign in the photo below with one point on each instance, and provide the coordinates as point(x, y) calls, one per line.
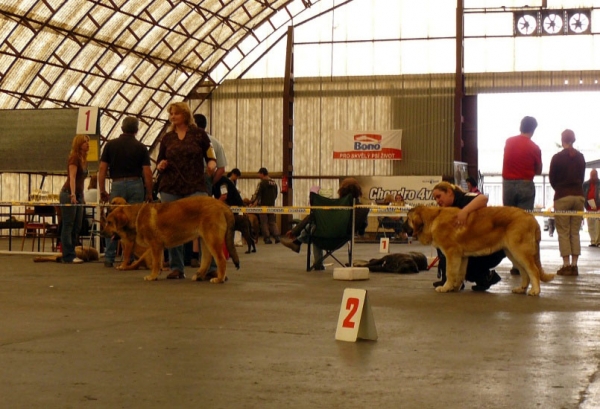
point(356, 318)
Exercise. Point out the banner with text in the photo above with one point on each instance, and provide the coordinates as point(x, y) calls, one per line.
point(414, 189)
point(373, 145)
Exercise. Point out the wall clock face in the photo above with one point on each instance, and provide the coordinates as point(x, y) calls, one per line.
point(553, 23)
point(527, 24)
point(579, 23)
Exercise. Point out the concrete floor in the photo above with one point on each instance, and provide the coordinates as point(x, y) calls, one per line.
point(84, 336)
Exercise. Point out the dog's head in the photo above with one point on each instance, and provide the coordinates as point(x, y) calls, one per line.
point(415, 220)
point(116, 222)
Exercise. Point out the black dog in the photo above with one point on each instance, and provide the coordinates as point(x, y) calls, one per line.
point(242, 224)
point(401, 263)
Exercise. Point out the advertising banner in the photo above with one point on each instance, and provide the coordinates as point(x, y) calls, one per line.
point(372, 145)
point(414, 189)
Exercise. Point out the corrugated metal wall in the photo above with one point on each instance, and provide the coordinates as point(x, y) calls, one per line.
point(420, 105)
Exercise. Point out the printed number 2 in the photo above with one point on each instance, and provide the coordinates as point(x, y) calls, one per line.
point(352, 307)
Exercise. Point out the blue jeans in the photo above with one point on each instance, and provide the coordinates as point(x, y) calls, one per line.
point(176, 261)
point(133, 192)
point(71, 219)
point(317, 251)
point(518, 193)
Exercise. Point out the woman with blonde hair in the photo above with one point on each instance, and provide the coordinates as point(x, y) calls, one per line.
point(181, 167)
point(478, 268)
point(71, 195)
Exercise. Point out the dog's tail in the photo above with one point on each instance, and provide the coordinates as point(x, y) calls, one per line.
point(229, 239)
point(544, 277)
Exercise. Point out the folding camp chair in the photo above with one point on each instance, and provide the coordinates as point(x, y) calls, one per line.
point(332, 229)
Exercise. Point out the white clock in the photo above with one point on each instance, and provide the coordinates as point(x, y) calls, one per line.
point(553, 23)
point(527, 24)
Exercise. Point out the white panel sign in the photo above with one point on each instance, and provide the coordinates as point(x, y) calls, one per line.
point(87, 120)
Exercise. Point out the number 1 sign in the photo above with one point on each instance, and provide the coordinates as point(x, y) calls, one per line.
point(87, 120)
point(356, 318)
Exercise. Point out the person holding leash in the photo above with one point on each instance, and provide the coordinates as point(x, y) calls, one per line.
point(181, 170)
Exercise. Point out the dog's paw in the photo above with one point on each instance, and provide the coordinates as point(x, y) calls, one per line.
point(519, 290)
point(217, 280)
point(534, 291)
point(196, 277)
point(442, 289)
point(150, 278)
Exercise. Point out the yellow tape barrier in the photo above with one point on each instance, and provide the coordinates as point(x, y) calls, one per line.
point(376, 209)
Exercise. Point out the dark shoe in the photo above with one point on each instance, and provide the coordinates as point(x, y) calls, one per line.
point(268, 241)
point(592, 245)
point(319, 268)
point(290, 244)
point(277, 239)
point(195, 263)
point(439, 283)
point(568, 271)
point(175, 275)
point(108, 264)
point(514, 271)
point(491, 279)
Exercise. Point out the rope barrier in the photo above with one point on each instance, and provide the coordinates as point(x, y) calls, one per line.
point(377, 209)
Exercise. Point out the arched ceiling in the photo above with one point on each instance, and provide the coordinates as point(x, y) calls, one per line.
point(128, 57)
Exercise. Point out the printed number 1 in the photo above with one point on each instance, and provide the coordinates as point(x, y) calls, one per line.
point(352, 307)
point(87, 120)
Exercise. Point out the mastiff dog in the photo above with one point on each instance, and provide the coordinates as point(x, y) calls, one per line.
point(486, 231)
point(165, 225)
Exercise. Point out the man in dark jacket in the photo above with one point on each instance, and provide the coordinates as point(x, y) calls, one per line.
point(265, 195)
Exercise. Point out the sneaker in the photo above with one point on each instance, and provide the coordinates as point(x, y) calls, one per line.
point(108, 264)
point(77, 260)
point(568, 271)
point(277, 240)
point(289, 243)
point(268, 241)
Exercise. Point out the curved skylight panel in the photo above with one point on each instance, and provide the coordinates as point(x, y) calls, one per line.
point(115, 30)
point(65, 86)
point(72, 11)
point(232, 58)
point(21, 74)
point(160, 76)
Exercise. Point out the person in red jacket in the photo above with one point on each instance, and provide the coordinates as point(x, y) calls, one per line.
point(522, 161)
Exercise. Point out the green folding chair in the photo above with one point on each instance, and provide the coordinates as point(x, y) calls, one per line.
point(330, 230)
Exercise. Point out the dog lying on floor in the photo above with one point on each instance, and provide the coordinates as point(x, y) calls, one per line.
point(242, 224)
point(86, 253)
point(486, 231)
point(165, 225)
point(401, 263)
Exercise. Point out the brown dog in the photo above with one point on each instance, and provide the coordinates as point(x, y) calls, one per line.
point(165, 225)
point(143, 257)
point(486, 231)
point(86, 253)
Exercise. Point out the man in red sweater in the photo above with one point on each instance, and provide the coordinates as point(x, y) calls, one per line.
point(522, 161)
